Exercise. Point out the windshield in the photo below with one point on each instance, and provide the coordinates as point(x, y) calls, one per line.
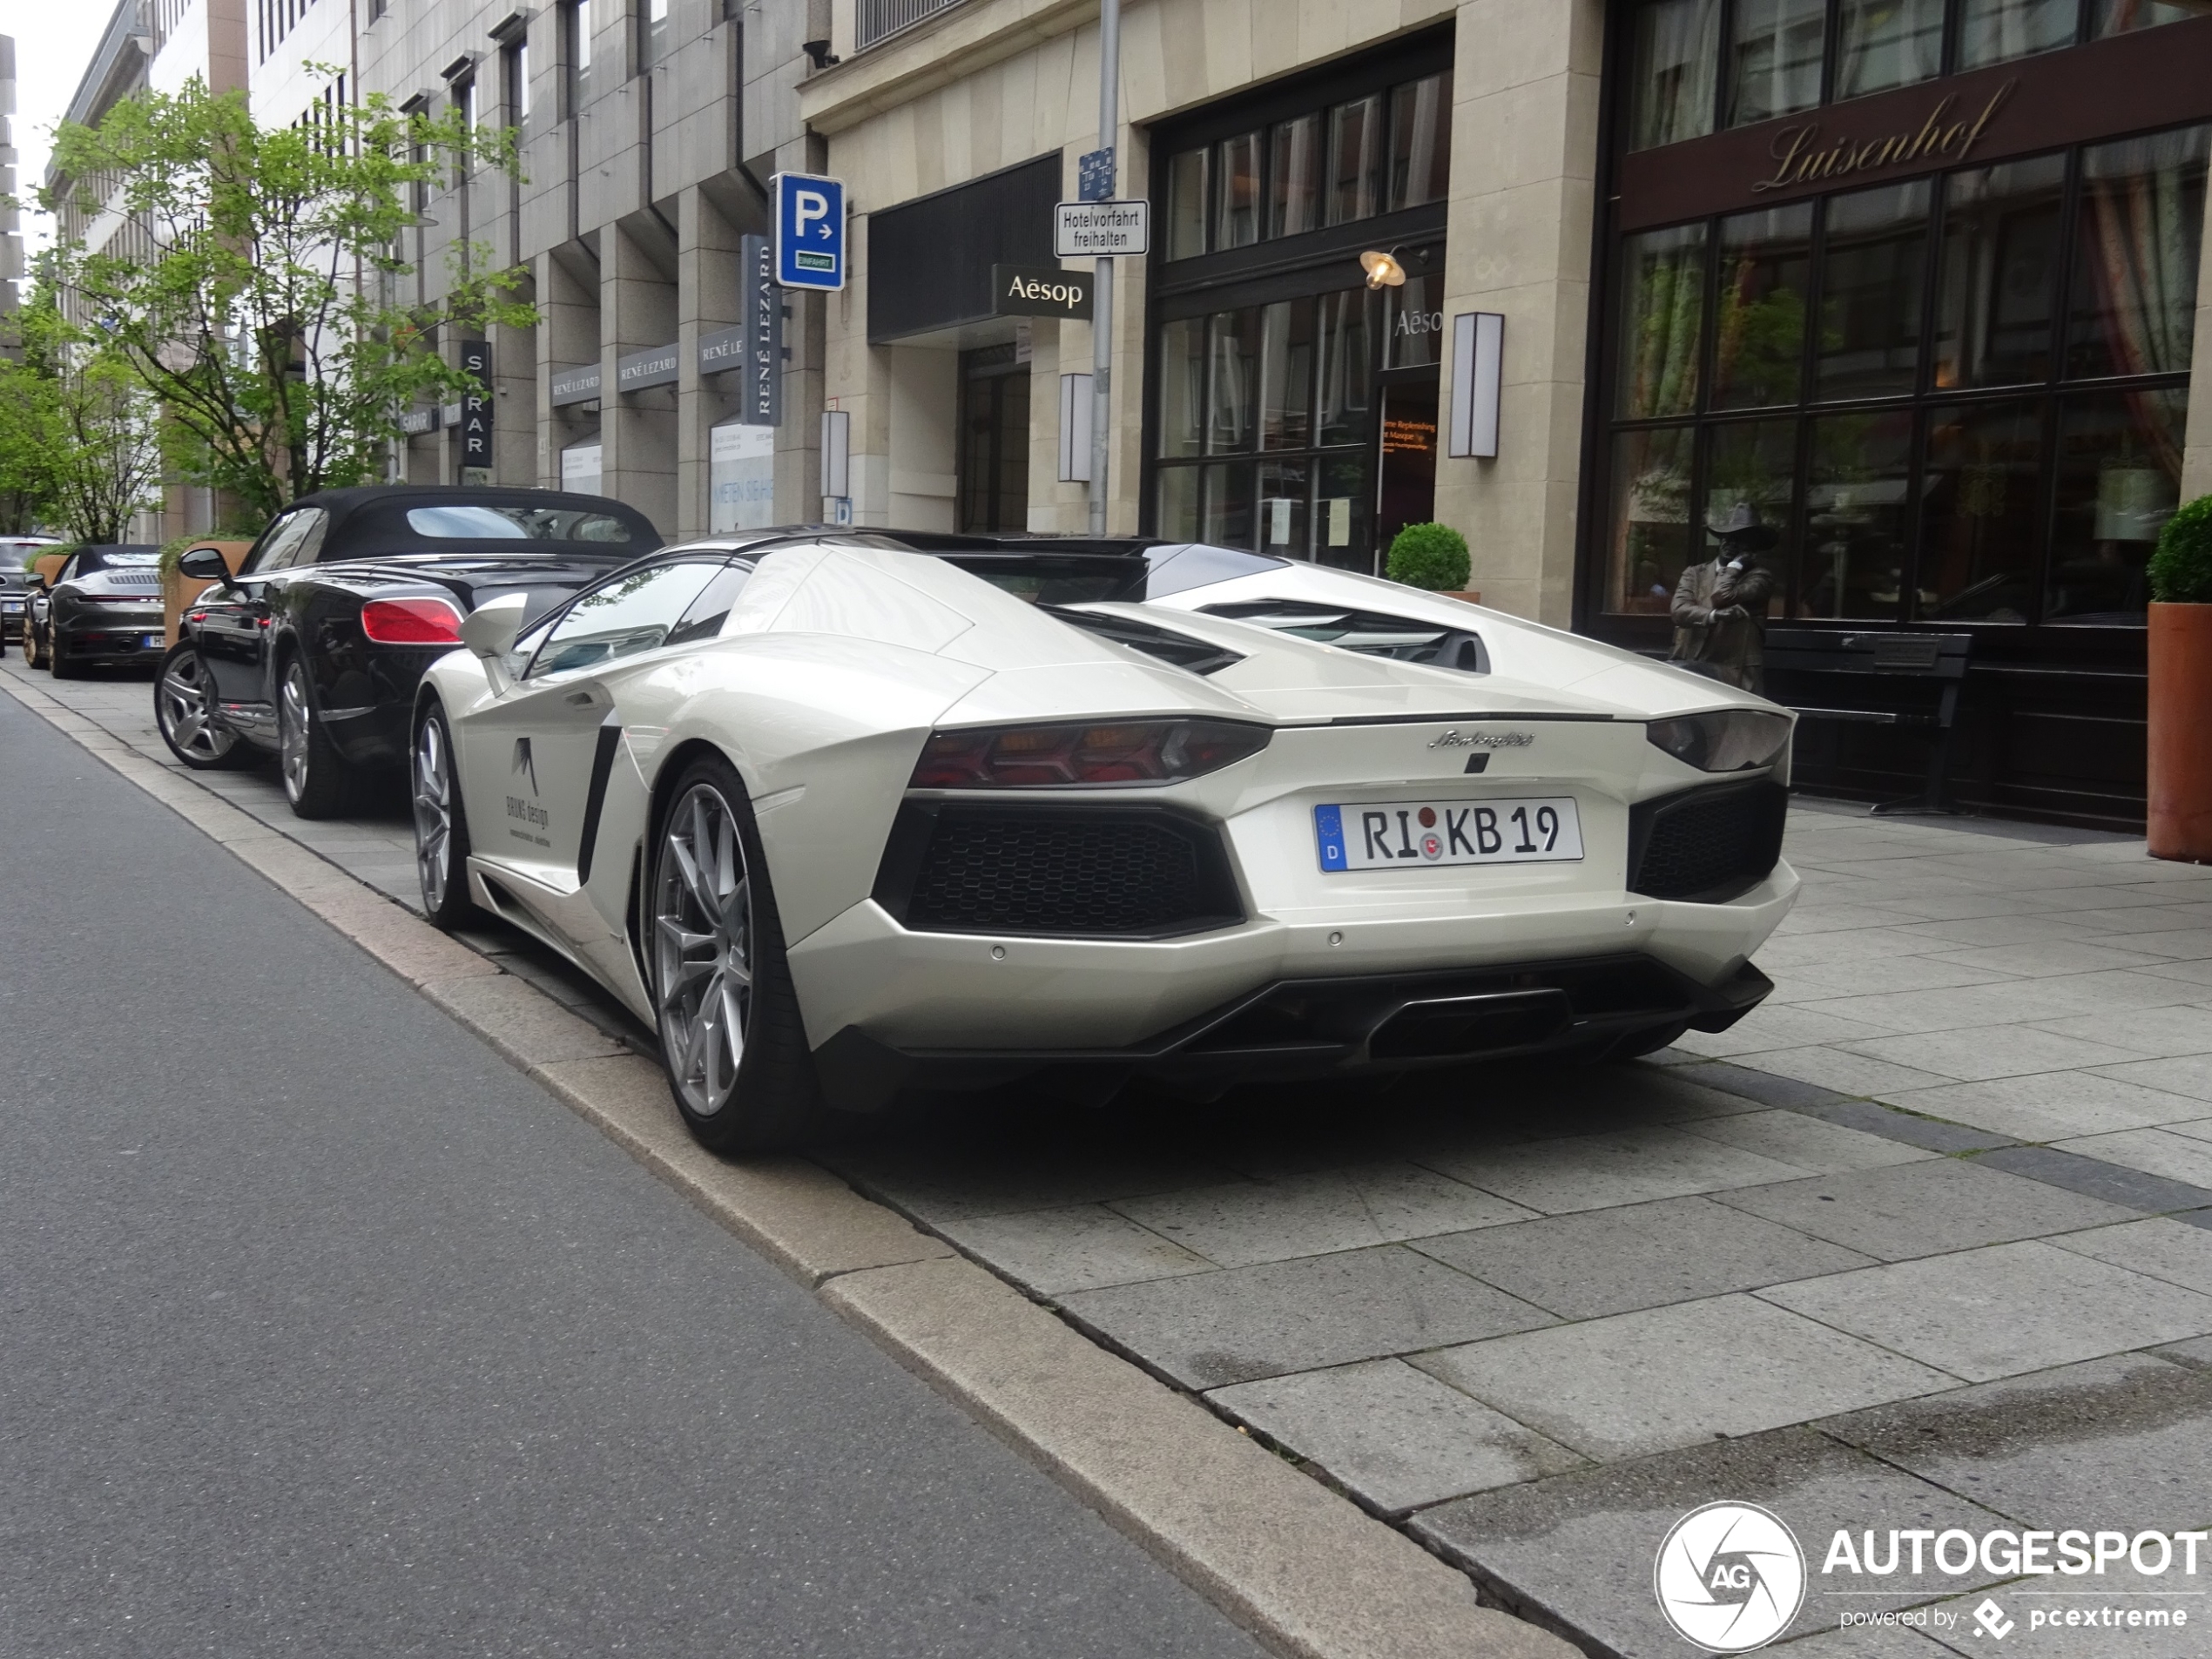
point(479, 523)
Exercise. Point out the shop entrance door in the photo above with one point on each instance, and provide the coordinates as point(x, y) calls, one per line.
point(994, 441)
point(1406, 469)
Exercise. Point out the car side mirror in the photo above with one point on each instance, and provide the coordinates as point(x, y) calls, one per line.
point(203, 564)
point(488, 631)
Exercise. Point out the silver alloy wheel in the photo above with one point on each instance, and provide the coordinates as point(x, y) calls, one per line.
point(703, 949)
point(185, 708)
point(433, 813)
point(292, 730)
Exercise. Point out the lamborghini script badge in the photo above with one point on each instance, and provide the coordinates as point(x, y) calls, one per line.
point(1458, 739)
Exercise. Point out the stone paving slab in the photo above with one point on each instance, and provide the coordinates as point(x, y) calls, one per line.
point(1249, 1222)
point(1393, 1435)
point(1669, 1377)
point(1924, 1208)
point(1577, 1549)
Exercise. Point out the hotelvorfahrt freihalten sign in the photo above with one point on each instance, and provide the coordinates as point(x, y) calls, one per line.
point(1039, 290)
point(1101, 230)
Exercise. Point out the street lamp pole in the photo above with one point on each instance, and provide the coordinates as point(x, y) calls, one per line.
point(1101, 304)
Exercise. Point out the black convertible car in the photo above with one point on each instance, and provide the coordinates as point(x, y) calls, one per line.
point(314, 649)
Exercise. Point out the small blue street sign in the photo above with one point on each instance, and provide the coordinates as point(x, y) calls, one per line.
point(1095, 176)
point(810, 231)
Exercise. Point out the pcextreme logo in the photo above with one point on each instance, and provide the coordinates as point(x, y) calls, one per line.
point(1729, 1577)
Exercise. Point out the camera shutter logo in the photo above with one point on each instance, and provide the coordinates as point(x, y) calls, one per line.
point(1729, 1577)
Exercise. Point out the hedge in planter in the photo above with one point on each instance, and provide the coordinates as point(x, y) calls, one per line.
point(1433, 556)
point(2181, 571)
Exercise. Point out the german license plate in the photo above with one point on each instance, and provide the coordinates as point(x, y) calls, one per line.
point(153, 642)
point(1391, 834)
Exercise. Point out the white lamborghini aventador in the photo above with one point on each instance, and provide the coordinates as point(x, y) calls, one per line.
point(837, 814)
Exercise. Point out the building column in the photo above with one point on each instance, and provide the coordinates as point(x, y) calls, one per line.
point(567, 337)
point(1524, 162)
point(709, 300)
point(638, 308)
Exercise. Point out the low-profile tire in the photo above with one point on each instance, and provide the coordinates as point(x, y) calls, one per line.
point(732, 1039)
point(184, 710)
point(30, 657)
point(441, 823)
point(317, 780)
point(57, 662)
point(1639, 1043)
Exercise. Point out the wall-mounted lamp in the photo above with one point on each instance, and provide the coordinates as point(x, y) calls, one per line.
point(1383, 270)
point(1478, 360)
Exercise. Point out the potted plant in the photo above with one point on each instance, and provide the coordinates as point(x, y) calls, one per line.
point(1432, 557)
point(2181, 686)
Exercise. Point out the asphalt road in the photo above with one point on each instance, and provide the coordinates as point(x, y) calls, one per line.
point(323, 1331)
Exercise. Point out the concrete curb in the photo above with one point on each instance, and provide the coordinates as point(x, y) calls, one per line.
point(1306, 1571)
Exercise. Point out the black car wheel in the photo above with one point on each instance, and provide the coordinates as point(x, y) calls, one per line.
point(441, 825)
point(730, 1036)
point(184, 710)
point(58, 664)
point(31, 656)
point(317, 782)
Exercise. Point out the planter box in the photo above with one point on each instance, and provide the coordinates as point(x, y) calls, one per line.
point(2181, 732)
point(176, 592)
point(1466, 595)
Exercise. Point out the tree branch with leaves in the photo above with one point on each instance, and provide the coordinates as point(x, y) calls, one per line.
point(258, 320)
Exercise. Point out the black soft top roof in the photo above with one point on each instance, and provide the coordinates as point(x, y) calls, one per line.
point(368, 520)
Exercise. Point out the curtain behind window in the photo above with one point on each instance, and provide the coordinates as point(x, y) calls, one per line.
point(2142, 221)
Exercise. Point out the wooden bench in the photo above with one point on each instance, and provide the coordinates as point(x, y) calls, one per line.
point(1870, 678)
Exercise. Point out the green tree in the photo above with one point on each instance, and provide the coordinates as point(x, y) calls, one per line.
point(78, 444)
point(251, 301)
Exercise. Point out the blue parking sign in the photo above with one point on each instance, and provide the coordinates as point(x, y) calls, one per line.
point(810, 231)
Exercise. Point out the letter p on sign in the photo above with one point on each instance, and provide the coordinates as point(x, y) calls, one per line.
point(810, 231)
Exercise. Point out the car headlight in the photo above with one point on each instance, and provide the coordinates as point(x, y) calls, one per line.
point(1723, 740)
point(1101, 753)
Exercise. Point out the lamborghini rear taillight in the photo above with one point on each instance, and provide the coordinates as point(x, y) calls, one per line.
point(411, 622)
point(1104, 754)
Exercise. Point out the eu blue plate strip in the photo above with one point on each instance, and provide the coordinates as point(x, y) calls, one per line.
point(1328, 829)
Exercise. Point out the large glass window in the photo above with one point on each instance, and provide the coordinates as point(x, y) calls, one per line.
point(1649, 540)
point(2119, 481)
point(1998, 287)
point(1980, 501)
point(1995, 32)
point(2123, 17)
point(1759, 322)
point(1673, 55)
point(2136, 255)
point(1858, 534)
point(1870, 289)
point(1381, 153)
point(1774, 58)
point(1881, 44)
point(1663, 314)
point(1277, 399)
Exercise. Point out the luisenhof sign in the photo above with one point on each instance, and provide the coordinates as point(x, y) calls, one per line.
point(1804, 156)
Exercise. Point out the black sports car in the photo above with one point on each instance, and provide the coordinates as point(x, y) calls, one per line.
point(103, 608)
point(314, 649)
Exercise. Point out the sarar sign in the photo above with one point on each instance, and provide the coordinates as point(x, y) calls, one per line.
point(1039, 290)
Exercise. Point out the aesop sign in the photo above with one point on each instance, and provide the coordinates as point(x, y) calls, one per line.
point(1039, 290)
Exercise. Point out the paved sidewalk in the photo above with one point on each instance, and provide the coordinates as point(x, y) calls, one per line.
point(1925, 1241)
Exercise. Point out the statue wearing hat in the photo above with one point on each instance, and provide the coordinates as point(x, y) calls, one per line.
point(1720, 605)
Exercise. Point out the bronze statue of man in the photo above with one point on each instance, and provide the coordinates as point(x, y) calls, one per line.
point(1720, 604)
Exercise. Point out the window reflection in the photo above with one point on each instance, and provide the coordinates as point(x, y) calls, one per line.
point(1415, 322)
point(1187, 203)
point(1979, 498)
point(1881, 44)
point(1232, 402)
point(1286, 374)
point(1340, 513)
point(1857, 515)
point(1343, 365)
point(1237, 224)
point(1182, 385)
point(1759, 325)
point(1998, 286)
point(1421, 141)
point(2123, 17)
point(1649, 540)
point(1994, 31)
point(1663, 297)
point(1751, 471)
point(1774, 58)
point(1672, 57)
point(2119, 481)
point(1226, 518)
point(1355, 159)
point(1177, 506)
point(2137, 248)
point(1870, 295)
point(1294, 201)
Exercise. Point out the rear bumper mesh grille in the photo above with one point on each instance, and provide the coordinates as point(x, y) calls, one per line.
point(1707, 845)
point(1071, 872)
